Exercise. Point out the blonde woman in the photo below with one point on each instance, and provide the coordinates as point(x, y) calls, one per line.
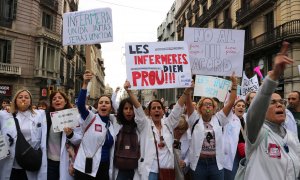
point(33, 127)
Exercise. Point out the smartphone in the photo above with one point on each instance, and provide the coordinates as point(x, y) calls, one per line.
point(88, 165)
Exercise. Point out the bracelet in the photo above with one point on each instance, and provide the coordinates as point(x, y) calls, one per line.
point(233, 89)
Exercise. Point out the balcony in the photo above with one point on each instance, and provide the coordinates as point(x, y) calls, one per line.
point(251, 10)
point(10, 69)
point(196, 7)
point(226, 24)
point(79, 72)
point(289, 31)
point(51, 4)
point(6, 22)
point(189, 15)
point(70, 53)
point(216, 7)
point(70, 83)
point(73, 5)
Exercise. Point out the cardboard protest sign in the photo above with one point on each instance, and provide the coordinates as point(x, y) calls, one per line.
point(157, 65)
point(64, 118)
point(215, 51)
point(249, 85)
point(3, 148)
point(209, 86)
point(87, 27)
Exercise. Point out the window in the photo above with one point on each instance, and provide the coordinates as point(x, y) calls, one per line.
point(47, 55)
point(5, 51)
point(8, 9)
point(47, 21)
point(269, 25)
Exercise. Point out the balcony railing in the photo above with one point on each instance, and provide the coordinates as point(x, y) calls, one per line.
point(9, 69)
point(287, 31)
point(226, 24)
point(189, 15)
point(70, 53)
point(251, 10)
point(211, 12)
point(52, 4)
point(196, 7)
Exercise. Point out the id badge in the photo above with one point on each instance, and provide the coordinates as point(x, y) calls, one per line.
point(88, 165)
point(274, 151)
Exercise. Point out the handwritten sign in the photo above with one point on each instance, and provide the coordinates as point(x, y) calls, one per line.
point(249, 85)
point(215, 51)
point(158, 65)
point(209, 86)
point(87, 27)
point(65, 118)
point(3, 148)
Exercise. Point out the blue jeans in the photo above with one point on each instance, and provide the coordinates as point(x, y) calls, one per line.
point(207, 169)
point(229, 175)
point(53, 170)
point(153, 176)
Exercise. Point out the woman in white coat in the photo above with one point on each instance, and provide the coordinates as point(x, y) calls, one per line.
point(156, 136)
point(33, 126)
point(58, 157)
point(206, 150)
point(94, 159)
point(234, 140)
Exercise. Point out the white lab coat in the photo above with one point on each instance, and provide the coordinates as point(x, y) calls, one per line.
point(148, 150)
point(64, 156)
point(91, 140)
point(231, 139)
point(218, 121)
point(38, 138)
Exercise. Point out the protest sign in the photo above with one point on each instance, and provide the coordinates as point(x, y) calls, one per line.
point(64, 118)
point(209, 86)
point(87, 27)
point(249, 85)
point(215, 51)
point(3, 148)
point(157, 65)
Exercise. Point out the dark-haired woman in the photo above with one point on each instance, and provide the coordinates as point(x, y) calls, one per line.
point(58, 157)
point(125, 119)
point(94, 159)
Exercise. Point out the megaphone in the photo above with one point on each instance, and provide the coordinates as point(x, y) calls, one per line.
point(257, 70)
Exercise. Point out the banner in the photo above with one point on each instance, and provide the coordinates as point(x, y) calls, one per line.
point(64, 118)
point(249, 85)
point(208, 86)
point(215, 51)
point(87, 27)
point(3, 148)
point(158, 65)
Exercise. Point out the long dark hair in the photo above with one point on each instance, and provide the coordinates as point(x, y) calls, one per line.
point(120, 115)
point(68, 103)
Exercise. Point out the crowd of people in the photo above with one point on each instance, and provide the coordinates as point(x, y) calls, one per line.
point(255, 138)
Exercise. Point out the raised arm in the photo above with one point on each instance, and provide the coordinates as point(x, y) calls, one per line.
point(189, 103)
point(227, 108)
point(257, 111)
point(82, 95)
point(114, 99)
point(133, 98)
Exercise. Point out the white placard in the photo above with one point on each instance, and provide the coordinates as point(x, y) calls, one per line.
point(215, 51)
point(249, 85)
point(3, 148)
point(65, 118)
point(158, 65)
point(87, 27)
point(209, 86)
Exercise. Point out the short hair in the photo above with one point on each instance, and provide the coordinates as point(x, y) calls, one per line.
point(43, 102)
point(248, 96)
point(68, 102)
point(297, 93)
point(14, 108)
point(155, 100)
point(200, 103)
point(182, 124)
point(6, 100)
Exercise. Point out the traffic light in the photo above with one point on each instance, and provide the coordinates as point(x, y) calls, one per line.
point(50, 89)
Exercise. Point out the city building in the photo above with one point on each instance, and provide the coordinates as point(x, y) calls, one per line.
point(31, 51)
point(266, 23)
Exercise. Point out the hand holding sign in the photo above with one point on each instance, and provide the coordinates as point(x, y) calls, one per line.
point(64, 120)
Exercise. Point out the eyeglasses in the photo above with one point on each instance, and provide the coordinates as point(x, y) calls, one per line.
point(280, 101)
point(207, 104)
